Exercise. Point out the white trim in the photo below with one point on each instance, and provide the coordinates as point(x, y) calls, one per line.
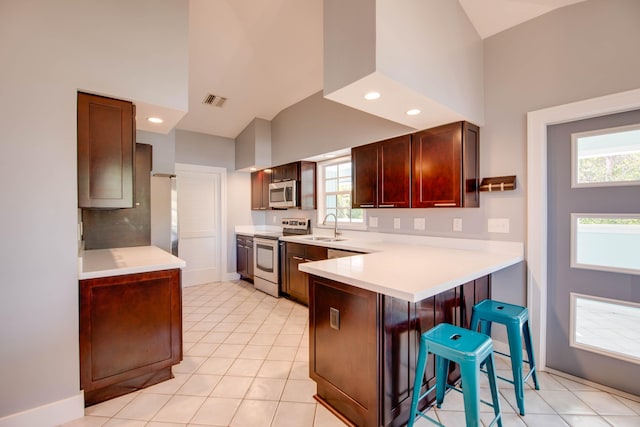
point(537, 122)
point(185, 167)
point(51, 414)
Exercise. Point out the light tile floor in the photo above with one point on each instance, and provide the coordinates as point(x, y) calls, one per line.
point(246, 364)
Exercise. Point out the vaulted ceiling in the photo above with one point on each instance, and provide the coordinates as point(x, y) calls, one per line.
point(265, 55)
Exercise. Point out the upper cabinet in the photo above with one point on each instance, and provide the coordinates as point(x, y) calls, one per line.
point(260, 181)
point(303, 172)
point(382, 174)
point(106, 146)
point(445, 166)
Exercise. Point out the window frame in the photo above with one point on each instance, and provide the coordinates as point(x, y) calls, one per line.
point(321, 201)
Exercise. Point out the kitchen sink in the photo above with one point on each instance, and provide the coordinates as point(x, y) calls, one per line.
point(323, 239)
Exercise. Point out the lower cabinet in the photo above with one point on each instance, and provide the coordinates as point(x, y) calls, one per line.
point(295, 283)
point(244, 256)
point(364, 346)
point(130, 332)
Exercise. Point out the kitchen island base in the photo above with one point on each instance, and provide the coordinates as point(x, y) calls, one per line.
point(364, 346)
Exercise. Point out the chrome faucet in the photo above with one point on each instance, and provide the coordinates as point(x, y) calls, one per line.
point(335, 224)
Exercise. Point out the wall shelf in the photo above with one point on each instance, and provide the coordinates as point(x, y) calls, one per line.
point(498, 183)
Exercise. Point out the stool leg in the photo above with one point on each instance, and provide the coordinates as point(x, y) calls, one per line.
point(417, 383)
point(493, 384)
point(532, 363)
point(442, 373)
point(515, 349)
point(471, 393)
point(475, 319)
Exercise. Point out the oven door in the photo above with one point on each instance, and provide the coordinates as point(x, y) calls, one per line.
point(265, 259)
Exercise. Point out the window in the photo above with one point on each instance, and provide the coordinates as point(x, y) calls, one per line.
point(606, 326)
point(334, 193)
point(606, 242)
point(606, 157)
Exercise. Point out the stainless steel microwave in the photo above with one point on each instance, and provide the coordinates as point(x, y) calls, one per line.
point(282, 194)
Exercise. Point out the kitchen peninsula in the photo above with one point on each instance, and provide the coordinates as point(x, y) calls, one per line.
point(130, 319)
point(367, 313)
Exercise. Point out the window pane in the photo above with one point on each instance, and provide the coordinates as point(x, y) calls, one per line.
point(330, 201)
point(597, 323)
point(345, 169)
point(331, 185)
point(344, 200)
point(331, 171)
point(330, 211)
point(344, 215)
point(356, 215)
point(607, 156)
point(606, 242)
point(344, 184)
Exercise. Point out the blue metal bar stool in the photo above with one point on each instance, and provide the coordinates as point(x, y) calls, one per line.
point(468, 349)
point(516, 320)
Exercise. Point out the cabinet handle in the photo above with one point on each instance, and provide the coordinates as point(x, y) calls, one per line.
point(386, 206)
point(308, 260)
point(445, 204)
point(297, 258)
point(367, 206)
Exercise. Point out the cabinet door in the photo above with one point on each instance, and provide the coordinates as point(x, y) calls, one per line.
point(364, 173)
point(394, 172)
point(437, 167)
point(298, 284)
point(307, 186)
point(285, 172)
point(471, 165)
point(260, 181)
point(106, 129)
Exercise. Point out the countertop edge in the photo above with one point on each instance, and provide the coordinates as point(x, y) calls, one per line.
point(99, 263)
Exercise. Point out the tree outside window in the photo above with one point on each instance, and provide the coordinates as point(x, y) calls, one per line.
point(334, 192)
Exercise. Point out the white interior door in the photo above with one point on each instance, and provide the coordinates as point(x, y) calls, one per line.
point(199, 223)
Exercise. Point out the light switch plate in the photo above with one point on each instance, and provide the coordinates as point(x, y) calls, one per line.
point(457, 224)
point(419, 223)
point(498, 225)
point(373, 221)
point(396, 223)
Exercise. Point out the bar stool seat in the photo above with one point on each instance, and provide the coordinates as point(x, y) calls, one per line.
point(468, 349)
point(516, 320)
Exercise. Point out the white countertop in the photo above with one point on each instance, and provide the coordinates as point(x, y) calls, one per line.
point(97, 263)
point(412, 267)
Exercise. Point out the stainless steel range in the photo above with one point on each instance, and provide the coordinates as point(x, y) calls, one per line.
point(266, 254)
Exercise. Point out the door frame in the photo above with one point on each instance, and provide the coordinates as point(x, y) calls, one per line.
point(188, 167)
point(536, 248)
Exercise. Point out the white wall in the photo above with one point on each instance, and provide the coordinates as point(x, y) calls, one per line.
point(164, 150)
point(49, 50)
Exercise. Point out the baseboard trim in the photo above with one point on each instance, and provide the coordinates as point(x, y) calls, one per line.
point(52, 414)
point(231, 276)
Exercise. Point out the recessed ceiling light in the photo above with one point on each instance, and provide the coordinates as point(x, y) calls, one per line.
point(329, 156)
point(413, 112)
point(155, 119)
point(253, 169)
point(372, 95)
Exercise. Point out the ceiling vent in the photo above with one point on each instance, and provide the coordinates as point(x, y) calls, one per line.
point(215, 100)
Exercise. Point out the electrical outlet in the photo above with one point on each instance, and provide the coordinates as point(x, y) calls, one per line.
point(498, 225)
point(373, 221)
point(457, 224)
point(274, 219)
point(419, 223)
point(396, 223)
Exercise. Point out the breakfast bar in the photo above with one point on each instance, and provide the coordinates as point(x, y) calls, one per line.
point(367, 313)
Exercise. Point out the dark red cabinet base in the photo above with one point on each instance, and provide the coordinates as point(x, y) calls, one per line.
point(130, 332)
point(364, 364)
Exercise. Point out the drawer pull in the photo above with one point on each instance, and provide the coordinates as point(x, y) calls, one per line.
point(366, 206)
point(386, 206)
point(297, 258)
point(444, 204)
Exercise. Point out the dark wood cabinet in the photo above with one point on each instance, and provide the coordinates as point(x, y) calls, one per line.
point(295, 283)
point(106, 136)
point(260, 181)
point(379, 335)
point(130, 332)
point(244, 256)
point(381, 174)
point(304, 173)
point(285, 172)
point(445, 166)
